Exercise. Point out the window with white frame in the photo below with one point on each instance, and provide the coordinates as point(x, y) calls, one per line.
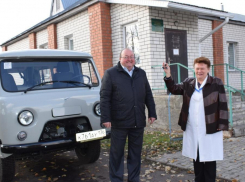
point(69, 43)
point(232, 55)
point(131, 39)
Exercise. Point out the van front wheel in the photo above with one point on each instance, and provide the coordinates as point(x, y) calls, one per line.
point(7, 169)
point(89, 154)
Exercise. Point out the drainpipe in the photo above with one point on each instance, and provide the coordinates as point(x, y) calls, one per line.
point(212, 32)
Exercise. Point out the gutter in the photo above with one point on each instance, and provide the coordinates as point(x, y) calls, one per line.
point(198, 10)
point(202, 11)
point(163, 4)
point(215, 30)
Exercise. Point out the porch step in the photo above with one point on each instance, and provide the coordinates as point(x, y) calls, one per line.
point(234, 98)
point(238, 115)
point(239, 130)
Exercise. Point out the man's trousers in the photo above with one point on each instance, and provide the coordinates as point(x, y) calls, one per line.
point(116, 163)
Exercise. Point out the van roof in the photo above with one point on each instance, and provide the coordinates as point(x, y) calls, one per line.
point(44, 53)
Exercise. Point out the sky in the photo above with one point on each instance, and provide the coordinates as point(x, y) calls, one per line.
point(17, 16)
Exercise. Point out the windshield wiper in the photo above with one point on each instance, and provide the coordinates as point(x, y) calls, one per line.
point(75, 82)
point(40, 84)
point(44, 83)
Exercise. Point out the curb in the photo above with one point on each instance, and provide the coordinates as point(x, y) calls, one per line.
point(186, 169)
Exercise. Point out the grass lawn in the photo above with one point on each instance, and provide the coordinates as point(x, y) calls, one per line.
point(155, 144)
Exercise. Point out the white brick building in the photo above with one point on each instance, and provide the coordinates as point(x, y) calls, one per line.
point(103, 29)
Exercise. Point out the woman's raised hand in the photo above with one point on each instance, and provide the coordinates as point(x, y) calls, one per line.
point(166, 69)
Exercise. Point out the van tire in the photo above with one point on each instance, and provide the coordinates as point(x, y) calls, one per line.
point(89, 154)
point(7, 169)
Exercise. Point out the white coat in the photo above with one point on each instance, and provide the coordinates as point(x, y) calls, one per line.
point(194, 137)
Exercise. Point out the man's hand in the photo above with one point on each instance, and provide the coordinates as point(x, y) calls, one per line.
point(107, 124)
point(166, 69)
point(151, 120)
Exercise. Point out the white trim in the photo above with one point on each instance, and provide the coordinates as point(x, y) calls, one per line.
point(172, 5)
point(198, 10)
point(163, 4)
point(69, 44)
point(232, 41)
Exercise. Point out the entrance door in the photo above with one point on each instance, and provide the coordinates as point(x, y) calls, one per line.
point(176, 52)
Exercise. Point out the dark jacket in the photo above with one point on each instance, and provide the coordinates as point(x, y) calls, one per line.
point(123, 98)
point(214, 98)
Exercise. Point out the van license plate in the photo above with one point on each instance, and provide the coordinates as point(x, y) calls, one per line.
point(90, 135)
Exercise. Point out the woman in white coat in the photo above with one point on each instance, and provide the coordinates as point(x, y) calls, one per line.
point(203, 116)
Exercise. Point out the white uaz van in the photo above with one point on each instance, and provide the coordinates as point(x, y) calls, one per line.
point(49, 101)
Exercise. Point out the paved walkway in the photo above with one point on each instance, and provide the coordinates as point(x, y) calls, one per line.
point(232, 167)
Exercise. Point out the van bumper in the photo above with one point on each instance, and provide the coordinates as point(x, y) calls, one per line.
point(64, 144)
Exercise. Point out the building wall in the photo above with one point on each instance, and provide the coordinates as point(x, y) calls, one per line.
point(78, 27)
point(22, 44)
point(235, 33)
point(122, 15)
point(187, 21)
point(42, 38)
point(152, 44)
point(204, 27)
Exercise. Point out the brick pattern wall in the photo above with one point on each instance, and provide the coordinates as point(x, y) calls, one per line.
point(78, 27)
point(52, 36)
point(32, 40)
point(126, 14)
point(21, 44)
point(152, 44)
point(218, 50)
point(100, 35)
point(42, 37)
point(236, 34)
point(4, 48)
point(186, 21)
point(204, 27)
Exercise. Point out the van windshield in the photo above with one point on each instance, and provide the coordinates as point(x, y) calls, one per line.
point(37, 74)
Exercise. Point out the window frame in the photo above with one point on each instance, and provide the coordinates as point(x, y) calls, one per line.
point(124, 38)
point(87, 60)
point(234, 45)
point(69, 43)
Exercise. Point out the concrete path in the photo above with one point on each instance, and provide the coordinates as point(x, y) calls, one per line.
point(232, 167)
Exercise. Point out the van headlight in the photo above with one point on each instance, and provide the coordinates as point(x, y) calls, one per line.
point(25, 118)
point(97, 109)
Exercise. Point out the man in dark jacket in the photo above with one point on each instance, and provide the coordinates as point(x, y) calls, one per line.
point(124, 93)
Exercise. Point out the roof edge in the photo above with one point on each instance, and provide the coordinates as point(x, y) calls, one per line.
point(234, 22)
point(163, 4)
point(199, 10)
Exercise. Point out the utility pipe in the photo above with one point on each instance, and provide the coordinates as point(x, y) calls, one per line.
point(214, 30)
point(210, 33)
